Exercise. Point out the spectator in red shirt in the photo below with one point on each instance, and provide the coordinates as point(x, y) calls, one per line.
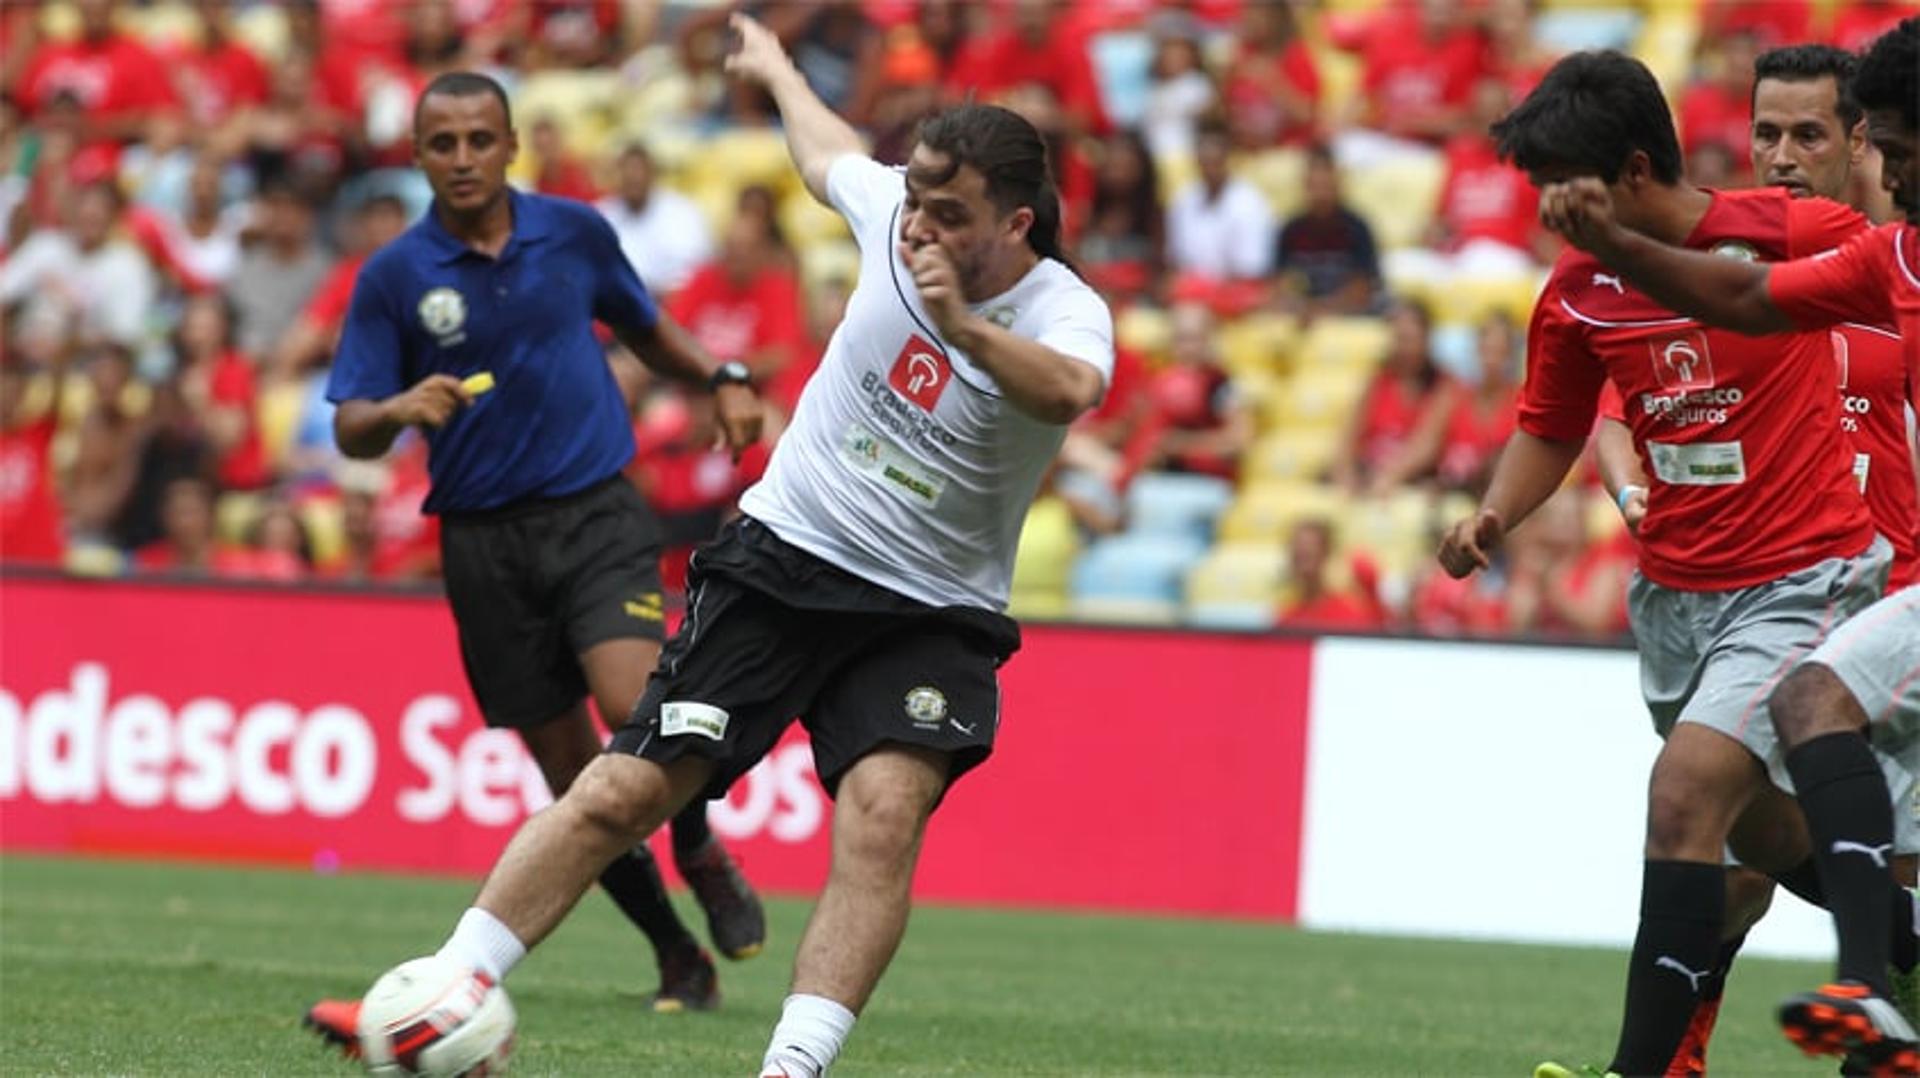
point(217, 380)
point(1312, 601)
point(1771, 23)
point(1715, 111)
point(216, 76)
point(119, 83)
point(31, 529)
point(1036, 46)
point(188, 545)
point(1463, 427)
point(1420, 69)
point(1384, 421)
point(1559, 584)
point(388, 538)
point(1272, 90)
point(304, 128)
point(1197, 422)
point(746, 306)
point(1123, 247)
point(278, 548)
point(1857, 23)
point(1514, 51)
point(555, 170)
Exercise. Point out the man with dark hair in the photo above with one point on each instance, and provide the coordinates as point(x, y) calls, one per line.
point(1755, 542)
point(1806, 138)
point(1862, 686)
point(477, 326)
point(863, 589)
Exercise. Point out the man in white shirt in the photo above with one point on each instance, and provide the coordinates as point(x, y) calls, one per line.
point(863, 591)
point(1219, 227)
point(85, 271)
point(662, 232)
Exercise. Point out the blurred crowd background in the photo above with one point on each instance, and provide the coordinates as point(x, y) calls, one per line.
point(1321, 274)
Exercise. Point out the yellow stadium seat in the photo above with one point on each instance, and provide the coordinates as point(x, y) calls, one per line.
point(262, 28)
point(1238, 573)
point(1667, 42)
point(1604, 521)
point(1290, 454)
point(1049, 543)
point(1344, 343)
point(807, 223)
point(1267, 511)
point(580, 103)
point(1146, 330)
point(1395, 530)
point(1468, 301)
point(827, 260)
point(741, 157)
point(1397, 197)
point(1315, 401)
point(278, 413)
point(235, 514)
point(1281, 176)
point(1259, 343)
point(326, 524)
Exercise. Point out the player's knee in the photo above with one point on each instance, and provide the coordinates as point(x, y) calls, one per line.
point(615, 795)
point(1681, 822)
point(1811, 701)
point(881, 820)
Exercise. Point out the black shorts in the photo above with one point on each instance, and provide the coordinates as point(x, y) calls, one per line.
point(774, 633)
point(533, 585)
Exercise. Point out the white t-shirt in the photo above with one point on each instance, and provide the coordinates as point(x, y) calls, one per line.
point(904, 465)
point(1228, 238)
point(665, 242)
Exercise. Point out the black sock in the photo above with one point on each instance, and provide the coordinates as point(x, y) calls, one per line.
point(1682, 904)
point(633, 881)
point(1850, 815)
point(1714, 985)
point(1802, 881)
point(690, 830)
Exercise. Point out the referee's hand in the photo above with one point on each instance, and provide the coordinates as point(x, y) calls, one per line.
point(739, 414)
point(1470, 543)
point(430, 403)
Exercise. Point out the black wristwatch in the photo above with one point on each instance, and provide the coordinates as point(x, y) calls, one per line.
point(731, 373)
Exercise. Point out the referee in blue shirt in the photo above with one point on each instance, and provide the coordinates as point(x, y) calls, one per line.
point(476, 326)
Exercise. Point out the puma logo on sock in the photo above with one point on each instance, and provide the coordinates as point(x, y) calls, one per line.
point(1674, 964)
point(1878, 853)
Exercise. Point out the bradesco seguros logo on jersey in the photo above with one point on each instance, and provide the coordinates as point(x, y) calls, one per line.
point(1682, 363)
point(920, 372)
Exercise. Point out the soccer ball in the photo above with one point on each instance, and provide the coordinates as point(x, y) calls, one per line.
point(434, 1018)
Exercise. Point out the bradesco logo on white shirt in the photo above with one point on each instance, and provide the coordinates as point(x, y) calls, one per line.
point(903, 406)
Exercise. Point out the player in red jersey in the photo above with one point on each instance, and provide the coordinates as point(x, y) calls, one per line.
point(1756, 540)
point(1864, 682)
point(1808, 139)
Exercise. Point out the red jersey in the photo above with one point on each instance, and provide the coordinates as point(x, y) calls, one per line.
point(111, 78)
point(1474, 438)
point(1388, 415)
point(1740, 493)
point(1485, 197)
point(1254, 83)
point(30, 523)
point(1873, 280)
point(216, 81)
point(1873, 415)
point(734, 321)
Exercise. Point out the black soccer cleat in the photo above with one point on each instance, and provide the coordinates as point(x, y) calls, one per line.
point(687, 982)
point(736, 922)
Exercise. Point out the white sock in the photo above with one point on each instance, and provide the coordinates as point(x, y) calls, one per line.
point(808, 1037)
point(483, 942)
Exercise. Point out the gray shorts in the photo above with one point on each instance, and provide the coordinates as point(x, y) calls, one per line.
point(1714, 657)
point(1876, 656)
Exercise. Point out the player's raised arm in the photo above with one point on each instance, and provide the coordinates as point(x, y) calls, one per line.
point(815, 136)
point(1721, 291)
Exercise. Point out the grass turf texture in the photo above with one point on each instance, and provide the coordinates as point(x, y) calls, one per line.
point(133, 968)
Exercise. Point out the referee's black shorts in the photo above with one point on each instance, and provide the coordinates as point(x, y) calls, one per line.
point(774, 633)
point(536, 583)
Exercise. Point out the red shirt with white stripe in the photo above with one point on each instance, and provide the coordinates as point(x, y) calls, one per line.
point(1741, 492)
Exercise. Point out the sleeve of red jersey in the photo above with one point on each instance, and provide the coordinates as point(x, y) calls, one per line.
point(1847, 284)
point(1564, 378)
point(1818, 224)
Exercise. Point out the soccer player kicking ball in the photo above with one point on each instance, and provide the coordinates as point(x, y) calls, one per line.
point(1756, 539)
point(1808, 138)
point(1863, 683)
point(862, 590)
point(476, 326)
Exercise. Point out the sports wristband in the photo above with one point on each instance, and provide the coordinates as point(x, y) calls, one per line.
point(731, 373)
point(1625, 493)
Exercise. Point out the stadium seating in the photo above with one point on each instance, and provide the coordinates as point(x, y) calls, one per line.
point(1236, 586)
point(1043, 568)
point(1133, 577)
point(1176, 505)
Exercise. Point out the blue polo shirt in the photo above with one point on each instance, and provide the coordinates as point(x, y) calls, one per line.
point(555, 422)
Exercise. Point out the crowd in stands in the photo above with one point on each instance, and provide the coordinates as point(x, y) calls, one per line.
point(1321, 272)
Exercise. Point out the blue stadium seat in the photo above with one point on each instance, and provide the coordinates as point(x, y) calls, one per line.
point(1176, 506)
point(1134, 577)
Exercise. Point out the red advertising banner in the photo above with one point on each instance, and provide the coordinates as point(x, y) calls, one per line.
point(1135, 770)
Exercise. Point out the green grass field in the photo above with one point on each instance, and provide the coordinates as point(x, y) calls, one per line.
point(132, 968)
